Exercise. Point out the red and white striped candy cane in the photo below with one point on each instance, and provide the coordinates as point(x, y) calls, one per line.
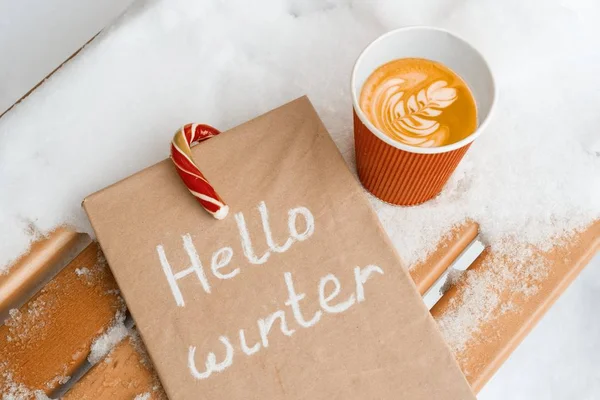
point(195, 181)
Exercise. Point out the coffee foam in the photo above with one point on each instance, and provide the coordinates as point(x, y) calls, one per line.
point(419, 102)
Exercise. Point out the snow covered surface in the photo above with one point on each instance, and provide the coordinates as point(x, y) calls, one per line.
point(18, 391)
point(63, 33)
point(104, 343)
point(559, 359)
point(112, 111)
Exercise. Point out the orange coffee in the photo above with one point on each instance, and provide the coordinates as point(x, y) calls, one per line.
point(419, 102)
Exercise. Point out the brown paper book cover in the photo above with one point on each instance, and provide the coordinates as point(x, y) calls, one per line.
point(297, 294)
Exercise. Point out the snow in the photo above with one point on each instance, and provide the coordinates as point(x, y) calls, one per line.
point(559, 359)
point(17, 391)
point(82, 271)
point(23, 22)
point(104, 343)
point(535, 175)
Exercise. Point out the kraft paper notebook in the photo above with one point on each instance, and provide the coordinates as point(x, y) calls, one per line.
point(297, 294)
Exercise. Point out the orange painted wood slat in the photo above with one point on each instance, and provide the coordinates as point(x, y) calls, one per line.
point(125, 373)
point(49, 337)
point(519, 293)
point(30, 271)
point(425, 273)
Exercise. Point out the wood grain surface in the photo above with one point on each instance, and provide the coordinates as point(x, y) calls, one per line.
point(31, 271)
point(454, 242)
point(542, 276)
point(125, 373)
point(49, 337)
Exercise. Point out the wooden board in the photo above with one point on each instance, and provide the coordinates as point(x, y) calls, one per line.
point(541, 278)
point(454, 242)
point(125, 373)
point(32, 270)
point(50, 336)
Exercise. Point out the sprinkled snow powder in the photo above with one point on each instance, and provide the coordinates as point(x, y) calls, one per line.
point(484, 288)
point(107, 341)
point(17, 391)
point(90, 276)
point(143, 396)
point(82, 271)
point(29, 323)
point(58, 380)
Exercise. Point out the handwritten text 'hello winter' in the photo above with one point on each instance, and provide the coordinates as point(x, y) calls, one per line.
point(328, 287)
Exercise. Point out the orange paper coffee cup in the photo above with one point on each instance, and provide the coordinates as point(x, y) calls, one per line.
point(398, 173)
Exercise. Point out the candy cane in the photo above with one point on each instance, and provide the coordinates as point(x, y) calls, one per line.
point(195, 181)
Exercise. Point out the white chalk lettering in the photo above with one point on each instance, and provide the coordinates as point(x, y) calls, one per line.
point(324, 300)
point(328, 287)
point(294, 302)
point(195, 267)
point(247, 242)
point(220, 259)
point(308, 219)
point(361, 275)
point(244, 345)
point(211, 360)
point(264, 216)
point(265, 325)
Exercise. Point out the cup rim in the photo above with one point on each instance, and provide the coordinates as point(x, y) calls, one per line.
point(403, 146)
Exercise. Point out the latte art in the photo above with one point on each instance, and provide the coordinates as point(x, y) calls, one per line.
point(419, 102)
